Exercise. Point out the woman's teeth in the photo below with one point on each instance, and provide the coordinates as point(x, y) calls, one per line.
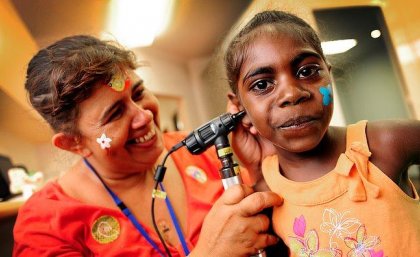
point(146, 137)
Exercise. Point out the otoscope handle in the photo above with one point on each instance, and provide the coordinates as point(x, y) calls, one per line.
point(230, 170)
point(236, 180)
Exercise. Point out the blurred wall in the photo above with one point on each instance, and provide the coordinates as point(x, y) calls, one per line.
point(18, 134)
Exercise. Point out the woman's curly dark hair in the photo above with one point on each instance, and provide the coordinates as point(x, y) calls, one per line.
point(63, 74)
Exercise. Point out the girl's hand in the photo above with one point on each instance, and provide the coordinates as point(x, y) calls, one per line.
point(234, 227)
point(249, 147)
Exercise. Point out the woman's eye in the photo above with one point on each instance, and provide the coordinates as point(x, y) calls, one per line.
point(308, 71)
point(115, 114)
point(261, 85)
point(137, 95)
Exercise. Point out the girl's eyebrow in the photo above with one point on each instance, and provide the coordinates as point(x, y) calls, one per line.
point(257, 71)
point(302, 56)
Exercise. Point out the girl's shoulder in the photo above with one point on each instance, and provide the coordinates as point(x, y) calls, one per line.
point(395, 144)
point(394, 135)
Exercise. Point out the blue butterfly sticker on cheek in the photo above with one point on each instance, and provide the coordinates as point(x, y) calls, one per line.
point(326, 93)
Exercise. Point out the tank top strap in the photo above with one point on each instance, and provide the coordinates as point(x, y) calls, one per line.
point(271, 171)
point(356, 133)
point(357, 151)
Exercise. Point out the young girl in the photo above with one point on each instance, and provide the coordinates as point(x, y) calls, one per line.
point(346, 190)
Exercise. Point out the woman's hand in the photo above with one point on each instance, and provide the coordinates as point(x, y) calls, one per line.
point(233, 227)
point(249, 147)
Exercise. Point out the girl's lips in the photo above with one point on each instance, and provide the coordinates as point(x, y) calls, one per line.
point(298, 122)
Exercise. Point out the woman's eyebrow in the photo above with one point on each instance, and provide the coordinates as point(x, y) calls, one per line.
point(136, 84)
point(108, 111)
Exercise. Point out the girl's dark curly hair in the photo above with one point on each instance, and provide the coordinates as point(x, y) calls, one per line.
point(279, 21)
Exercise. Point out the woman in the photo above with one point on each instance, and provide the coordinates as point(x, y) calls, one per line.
point(87, 90)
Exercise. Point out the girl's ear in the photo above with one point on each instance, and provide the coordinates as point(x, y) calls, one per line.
point(234, 100)
point(329, 67)
point(234, 105)
point(70, 143)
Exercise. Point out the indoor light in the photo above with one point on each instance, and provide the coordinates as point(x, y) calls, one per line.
point(375, 33)
point(136, 23)
point(405, 53)
point(338, 46)
point(408, 52)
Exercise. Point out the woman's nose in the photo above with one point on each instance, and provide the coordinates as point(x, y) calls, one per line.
point(141, 117)
point(292, 94)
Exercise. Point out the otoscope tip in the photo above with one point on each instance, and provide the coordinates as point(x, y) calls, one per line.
point(240, 114)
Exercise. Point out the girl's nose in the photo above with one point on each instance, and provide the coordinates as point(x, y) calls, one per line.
point(292, 94)
point(141, 117)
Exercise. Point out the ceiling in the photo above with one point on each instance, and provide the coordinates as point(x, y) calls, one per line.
point(198, 26)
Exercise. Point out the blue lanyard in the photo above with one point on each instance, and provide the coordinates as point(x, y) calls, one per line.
point(133, 219)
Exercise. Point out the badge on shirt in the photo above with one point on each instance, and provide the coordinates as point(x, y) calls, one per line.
point(196, 173)
point(105, 229)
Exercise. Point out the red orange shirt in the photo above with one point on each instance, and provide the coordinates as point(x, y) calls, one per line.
point(52, 223)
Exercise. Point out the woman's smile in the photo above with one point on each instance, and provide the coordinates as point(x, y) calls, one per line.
point(144, 140)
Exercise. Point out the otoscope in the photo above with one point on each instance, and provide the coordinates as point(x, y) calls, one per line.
point(214, 132)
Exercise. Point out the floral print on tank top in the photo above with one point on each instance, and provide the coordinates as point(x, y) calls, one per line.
point(339, 228)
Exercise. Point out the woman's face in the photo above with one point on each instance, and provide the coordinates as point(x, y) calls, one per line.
point(285, 87)
point(128, 117)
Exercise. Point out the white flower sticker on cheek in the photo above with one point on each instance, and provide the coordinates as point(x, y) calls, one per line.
point(104, 141)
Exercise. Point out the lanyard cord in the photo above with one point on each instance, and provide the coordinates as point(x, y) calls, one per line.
point(134, 221)
point(175, 222)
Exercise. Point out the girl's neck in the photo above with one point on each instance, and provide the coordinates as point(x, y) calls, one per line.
point(318, 161)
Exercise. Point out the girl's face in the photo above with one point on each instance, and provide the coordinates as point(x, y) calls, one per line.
point(285, 87)
point(129, 117)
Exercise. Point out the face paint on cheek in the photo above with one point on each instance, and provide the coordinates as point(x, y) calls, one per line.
point(104, 141)
point(326, 93)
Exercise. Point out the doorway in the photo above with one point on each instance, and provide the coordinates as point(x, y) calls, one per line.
point(367, 76)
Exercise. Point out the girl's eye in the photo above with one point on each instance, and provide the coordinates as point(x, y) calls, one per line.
point(261, 86)
point(308, 71)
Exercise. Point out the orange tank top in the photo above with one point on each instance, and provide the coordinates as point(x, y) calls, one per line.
point(353, 210)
